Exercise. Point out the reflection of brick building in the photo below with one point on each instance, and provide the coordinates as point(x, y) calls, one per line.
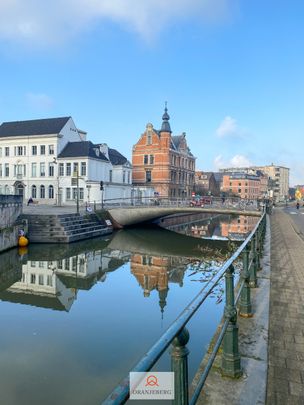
point(155, 273)
point(240, 226)
point(163, 162)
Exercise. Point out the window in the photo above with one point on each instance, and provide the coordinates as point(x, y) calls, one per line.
point(51, 149)
point(6, 151)
point(61, 169)
point(42, 149)
point(148, 176)
point(67, 264)
point(68, 169)
point(151, 159)
point(68, 193)
point(6, 170)
point(34, 192)
point(42, 169)
point(34, 169)
point(110, 175)
point(20, 150)
point(81, 193)
point(74, 190)
point(123, 176)
point(51, 191)
point(129, 177)
point(145, 159)
point(60, 264)
point(74, 263)
point(75, 169)
point(51, 169)
point(33, 278)
point(42, 191)
point(34, 150)
point(0, 152)
point(149, 137)
point(40, 279)
point(49, 280)
point(83, 169)
point(0, 169)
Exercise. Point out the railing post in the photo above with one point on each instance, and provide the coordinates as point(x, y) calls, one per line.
point(245, 300)
point(231, 359)
point(253, 269)
point(179, 365)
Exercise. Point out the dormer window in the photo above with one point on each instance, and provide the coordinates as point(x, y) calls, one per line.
point(97, 152)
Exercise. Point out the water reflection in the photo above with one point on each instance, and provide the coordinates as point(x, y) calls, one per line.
point(85, 305)
point(217, 227)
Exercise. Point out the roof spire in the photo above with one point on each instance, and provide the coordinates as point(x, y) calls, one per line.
point(165, 124)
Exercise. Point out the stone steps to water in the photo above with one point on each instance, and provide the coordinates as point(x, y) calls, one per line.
point(64, 228)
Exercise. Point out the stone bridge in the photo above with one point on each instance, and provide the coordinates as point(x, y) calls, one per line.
point(124, 217)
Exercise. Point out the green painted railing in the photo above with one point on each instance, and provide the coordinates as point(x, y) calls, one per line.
point(250, 252)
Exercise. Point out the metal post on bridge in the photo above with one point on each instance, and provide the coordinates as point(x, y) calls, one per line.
point(253, 268)
point(245, 300)
point(231, 359)
point(179, 365)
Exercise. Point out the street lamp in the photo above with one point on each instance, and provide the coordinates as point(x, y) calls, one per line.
point(58, 196)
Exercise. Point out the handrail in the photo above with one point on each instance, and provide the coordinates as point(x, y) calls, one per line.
point(121, 393)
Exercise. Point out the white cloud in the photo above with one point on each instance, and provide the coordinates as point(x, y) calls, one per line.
point(229, 128)
point(36, 21)
point(236, 161)
point(39, 101)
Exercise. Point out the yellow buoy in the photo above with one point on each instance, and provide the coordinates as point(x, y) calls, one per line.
point(23, 241)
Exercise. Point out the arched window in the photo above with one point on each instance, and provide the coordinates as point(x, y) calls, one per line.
point(51, 191)
point(42, 191)
point(34, 192)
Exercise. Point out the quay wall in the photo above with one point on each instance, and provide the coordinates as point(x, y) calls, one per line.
point(10, 209)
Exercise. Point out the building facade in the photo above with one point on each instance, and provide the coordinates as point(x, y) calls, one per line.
point(51, 161)
point(163, 163)
point(274, 179)
point(205, 183)
point(244, 185)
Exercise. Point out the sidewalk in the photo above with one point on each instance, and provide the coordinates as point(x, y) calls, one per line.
point(286, 326)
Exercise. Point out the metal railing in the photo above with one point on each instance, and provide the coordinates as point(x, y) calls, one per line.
point(250, 251)
point(205, 201)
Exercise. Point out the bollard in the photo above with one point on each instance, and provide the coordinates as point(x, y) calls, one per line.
point(179, 365)
point(245, 300)
point(231, 359)
point(253, 282)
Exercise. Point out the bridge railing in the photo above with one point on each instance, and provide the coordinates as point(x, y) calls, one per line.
point(204, 201)
point(236, 304)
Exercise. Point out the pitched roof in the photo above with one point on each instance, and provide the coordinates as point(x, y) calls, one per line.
point(81, 149)
point(33, 127)
point(116, 158)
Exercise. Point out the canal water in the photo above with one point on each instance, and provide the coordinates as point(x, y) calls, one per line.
point(75, 319)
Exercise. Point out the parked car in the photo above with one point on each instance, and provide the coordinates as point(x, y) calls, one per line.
point(201, 202)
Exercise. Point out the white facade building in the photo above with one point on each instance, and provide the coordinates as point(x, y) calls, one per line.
point(50, 160)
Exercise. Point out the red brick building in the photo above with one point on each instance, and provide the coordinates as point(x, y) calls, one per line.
point(244, 185)
point(163, 162)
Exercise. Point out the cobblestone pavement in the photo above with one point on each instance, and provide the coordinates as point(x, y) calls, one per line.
point(286, 319)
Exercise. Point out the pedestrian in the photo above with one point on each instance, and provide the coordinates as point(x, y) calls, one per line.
point(30, 201)
point(298, 205)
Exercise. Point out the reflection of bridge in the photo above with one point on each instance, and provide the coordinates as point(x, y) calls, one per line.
point(128, 216)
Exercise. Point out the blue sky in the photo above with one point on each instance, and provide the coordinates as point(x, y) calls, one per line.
point(230, 70)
